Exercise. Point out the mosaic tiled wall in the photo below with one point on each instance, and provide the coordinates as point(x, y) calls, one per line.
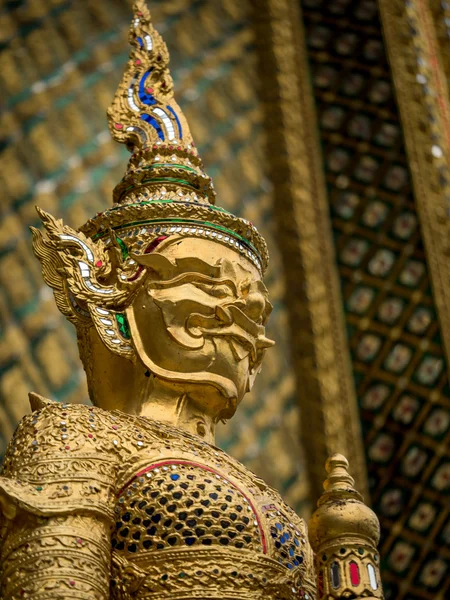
point(398, 361)
point(60, 62)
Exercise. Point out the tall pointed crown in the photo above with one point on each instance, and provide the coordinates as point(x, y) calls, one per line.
point(165, 191)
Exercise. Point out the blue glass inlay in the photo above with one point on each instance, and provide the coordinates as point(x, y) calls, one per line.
point(144, 96)
point(154, 123)
point(286, 542)
point(174, 476)
point(177, 120)
point(141, 43)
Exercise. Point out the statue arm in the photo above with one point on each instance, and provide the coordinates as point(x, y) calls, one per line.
point(56, 508)
point(55, 558)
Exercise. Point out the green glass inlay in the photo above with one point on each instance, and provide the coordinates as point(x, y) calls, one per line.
point(170, 180)
point(123, 247)
point(123, 326)
point(155, 165)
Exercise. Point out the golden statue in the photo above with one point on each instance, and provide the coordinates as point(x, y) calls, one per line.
point(130, 498)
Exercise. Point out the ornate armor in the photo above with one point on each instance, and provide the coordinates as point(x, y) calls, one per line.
point(176, 516)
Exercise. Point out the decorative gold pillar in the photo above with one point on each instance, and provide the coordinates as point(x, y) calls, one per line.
point(325, 389)
point(414, 33)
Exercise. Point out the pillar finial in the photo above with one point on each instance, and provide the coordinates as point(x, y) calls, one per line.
point(339, 479)
point(344, 534)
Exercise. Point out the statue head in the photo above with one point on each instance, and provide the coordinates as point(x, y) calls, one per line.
point(164, 284)
point(199, 317)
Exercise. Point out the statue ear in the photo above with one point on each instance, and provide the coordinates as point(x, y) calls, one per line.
point(75, 268)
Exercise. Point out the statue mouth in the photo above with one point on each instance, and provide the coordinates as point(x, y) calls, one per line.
point(230, 321)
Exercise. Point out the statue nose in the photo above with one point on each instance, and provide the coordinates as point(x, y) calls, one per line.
point(254, 306)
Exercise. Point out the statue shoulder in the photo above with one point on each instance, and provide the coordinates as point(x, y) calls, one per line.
point(60, 459)
point(50, 429)
point(55, 433)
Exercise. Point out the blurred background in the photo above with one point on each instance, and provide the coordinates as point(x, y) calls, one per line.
point(60, 63)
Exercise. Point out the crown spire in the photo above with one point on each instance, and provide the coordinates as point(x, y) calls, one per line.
point(144, 111)
point(165, 193)
point(145, 116)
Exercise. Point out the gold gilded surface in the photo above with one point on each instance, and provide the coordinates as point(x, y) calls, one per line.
point(160, 491)
point(173, 318)
point(88, 494)
point(427, 141)
point(421, 84)
point(393, 324)
point(129, 498)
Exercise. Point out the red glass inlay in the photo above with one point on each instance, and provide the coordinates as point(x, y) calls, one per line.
point(155, 243)
point(320, 584)
point(354, 574)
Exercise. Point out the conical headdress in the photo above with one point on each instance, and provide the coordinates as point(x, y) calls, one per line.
point(164, 196)
point(165, 191)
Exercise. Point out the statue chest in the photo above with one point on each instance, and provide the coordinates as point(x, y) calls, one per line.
point(182, 519)
point(182, 503)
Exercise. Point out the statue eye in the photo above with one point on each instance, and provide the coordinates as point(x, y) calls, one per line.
point(217, 290)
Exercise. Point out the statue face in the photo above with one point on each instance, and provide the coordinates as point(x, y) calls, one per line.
point(198, 320)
